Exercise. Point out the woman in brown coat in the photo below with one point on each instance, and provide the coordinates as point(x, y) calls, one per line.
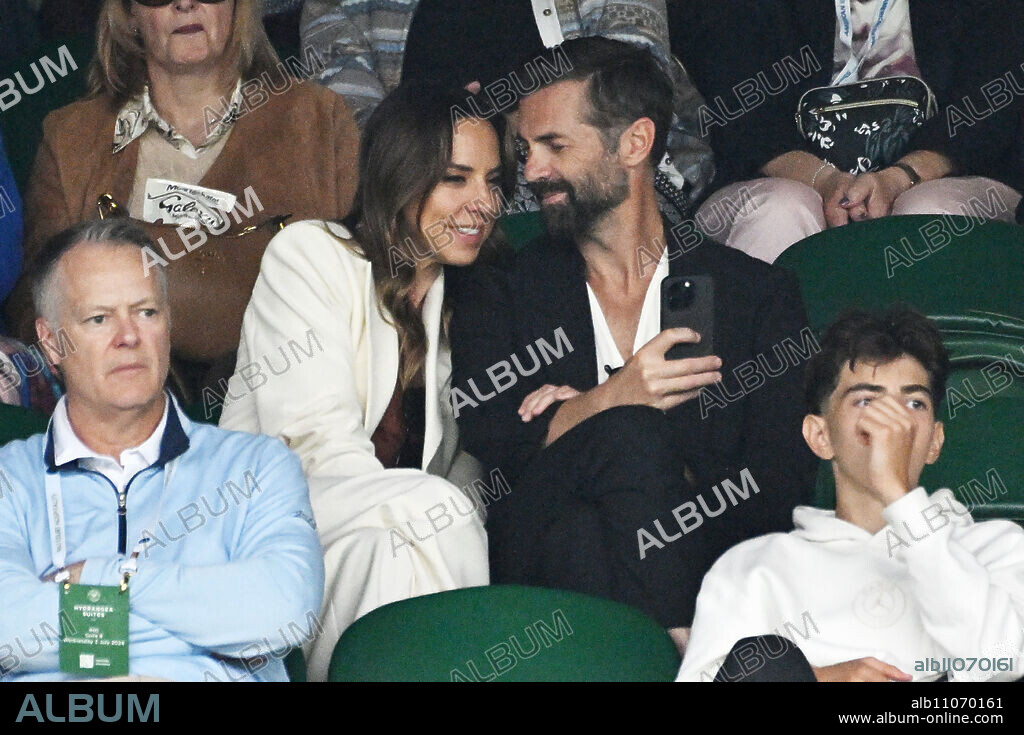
point(195, 127)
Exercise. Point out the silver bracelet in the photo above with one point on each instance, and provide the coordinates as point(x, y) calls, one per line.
point(820, 169)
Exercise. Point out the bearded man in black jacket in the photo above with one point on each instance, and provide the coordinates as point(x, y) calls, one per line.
point(630, 472)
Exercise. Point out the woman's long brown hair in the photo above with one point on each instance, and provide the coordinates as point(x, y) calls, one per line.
point(405, 152)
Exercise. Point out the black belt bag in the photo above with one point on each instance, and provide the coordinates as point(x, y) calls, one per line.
point(864, 126)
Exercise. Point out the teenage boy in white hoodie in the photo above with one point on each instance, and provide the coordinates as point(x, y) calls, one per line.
point(894, 584)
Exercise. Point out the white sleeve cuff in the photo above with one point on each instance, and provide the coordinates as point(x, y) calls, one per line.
point(913, 518)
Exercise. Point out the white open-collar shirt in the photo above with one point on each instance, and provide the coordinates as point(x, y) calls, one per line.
point(648, 328)
point(67, 447)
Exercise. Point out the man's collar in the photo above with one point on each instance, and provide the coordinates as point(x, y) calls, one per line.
point(173, 443)
point(138, 115)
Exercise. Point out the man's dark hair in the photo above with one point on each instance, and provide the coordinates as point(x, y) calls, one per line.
point(625, 83)
point(875, 339)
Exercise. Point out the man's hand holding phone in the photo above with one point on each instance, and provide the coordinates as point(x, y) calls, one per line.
point(649, 379)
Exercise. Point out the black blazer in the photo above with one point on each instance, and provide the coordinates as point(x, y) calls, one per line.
point(960, 46)
point(757, 309)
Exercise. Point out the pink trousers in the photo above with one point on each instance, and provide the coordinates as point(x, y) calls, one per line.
point(763, 217)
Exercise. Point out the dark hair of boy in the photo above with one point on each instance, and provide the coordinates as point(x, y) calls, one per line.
point(876, 339)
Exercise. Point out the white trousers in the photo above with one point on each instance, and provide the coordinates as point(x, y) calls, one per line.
point(389, 536)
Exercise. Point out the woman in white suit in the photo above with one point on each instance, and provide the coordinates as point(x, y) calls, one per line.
point(359, 315)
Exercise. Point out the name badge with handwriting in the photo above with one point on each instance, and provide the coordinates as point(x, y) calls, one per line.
point(175, 203)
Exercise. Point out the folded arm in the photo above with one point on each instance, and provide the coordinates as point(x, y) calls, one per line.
point(30, 606)
point(272, 586)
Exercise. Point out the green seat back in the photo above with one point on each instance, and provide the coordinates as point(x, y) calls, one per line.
point(295, 665)
point(20, 423)
point(505, 633)
point(520, 229)
point(870, 265)
point(968, 277)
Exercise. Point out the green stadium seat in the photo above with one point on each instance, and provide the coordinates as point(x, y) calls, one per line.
point(869, 265)
point(504, 633)
point(295, 664)
point(968, 277)
point(521, 228)
point(20, 423)
point(198, 413)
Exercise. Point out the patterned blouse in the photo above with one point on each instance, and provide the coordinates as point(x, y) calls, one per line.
point(138, 115)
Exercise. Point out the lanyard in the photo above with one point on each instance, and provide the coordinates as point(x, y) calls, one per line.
point(548, 25)
point(58, 535)
point(846, 36)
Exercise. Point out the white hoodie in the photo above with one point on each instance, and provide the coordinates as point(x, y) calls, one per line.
point(932, 584)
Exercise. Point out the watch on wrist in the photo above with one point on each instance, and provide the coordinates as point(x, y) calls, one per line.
point(915, 178)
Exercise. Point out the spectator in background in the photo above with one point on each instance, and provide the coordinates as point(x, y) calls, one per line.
point(890, 580)
point(280, 7)
point(772, 192)
point(191, 115)
point(369, 412)
point(27, 378)
point(213, 601)
point(370, 45)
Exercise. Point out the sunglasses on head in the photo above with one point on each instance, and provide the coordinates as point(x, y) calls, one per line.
point(161, 3)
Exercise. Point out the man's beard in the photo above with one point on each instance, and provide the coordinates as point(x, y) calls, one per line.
point(597, 194)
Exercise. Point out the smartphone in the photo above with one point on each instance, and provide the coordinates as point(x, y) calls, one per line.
point(689, 301)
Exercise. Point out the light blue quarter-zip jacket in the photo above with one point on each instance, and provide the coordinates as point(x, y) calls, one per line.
point(232, 577)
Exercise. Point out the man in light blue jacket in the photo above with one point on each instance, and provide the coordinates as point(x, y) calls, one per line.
point(127, 526)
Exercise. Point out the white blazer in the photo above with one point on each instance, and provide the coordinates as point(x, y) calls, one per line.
point(315, 295)
point(317, 367)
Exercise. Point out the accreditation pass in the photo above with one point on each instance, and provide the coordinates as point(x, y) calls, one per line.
point(93, 630)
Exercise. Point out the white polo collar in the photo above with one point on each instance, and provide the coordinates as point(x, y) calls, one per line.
point(67, 447)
